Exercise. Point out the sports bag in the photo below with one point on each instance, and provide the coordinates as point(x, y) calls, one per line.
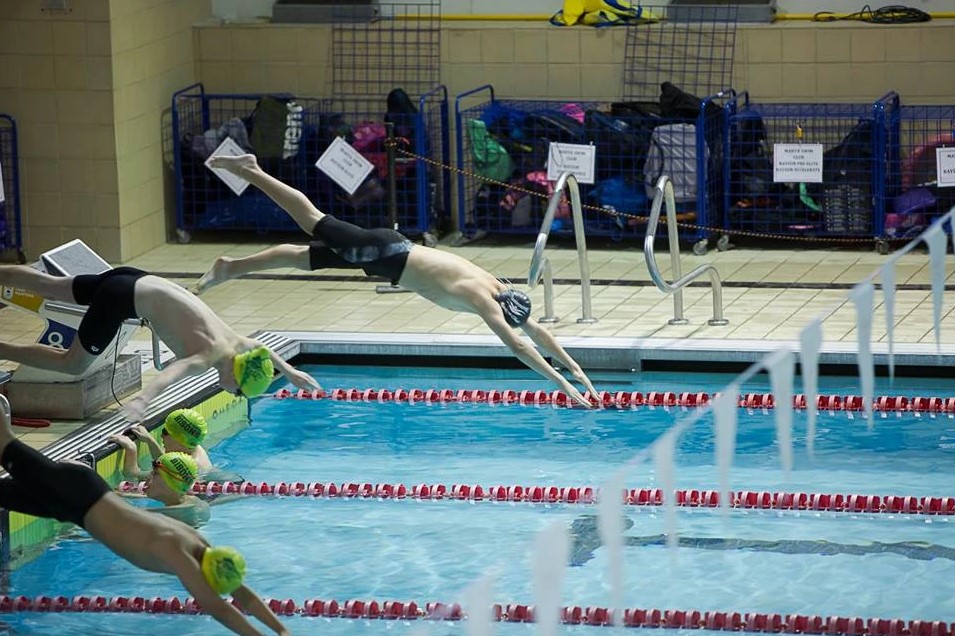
point(277, 123)
point(673, 153)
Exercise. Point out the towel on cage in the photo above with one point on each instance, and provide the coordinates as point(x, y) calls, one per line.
point(600, 13)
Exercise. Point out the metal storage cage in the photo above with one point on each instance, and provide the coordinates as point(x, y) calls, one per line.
point(857, 167)
point(11, 236)
point(914, 196)
point(200, 121)
point(503, 146)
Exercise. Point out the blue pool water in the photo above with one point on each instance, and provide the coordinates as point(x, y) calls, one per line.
point(813, 563)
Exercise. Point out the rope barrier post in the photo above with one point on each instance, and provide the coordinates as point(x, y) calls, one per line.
point(393, 288)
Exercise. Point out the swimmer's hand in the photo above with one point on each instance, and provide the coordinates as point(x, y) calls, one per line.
point(236, 165)
point(135, 409)
point(122, 441)
point(303, 380)
point(577, 397)
point(138, 432)
point(582, 378)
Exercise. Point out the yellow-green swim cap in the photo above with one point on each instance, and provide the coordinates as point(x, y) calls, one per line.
point(253, 371)
point(178, 470)
point(223, 568)
point(187, 427)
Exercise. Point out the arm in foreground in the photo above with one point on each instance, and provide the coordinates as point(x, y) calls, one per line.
point(254, 605)
point(491, 313)
point(297, 377)
point(135, 409)
point(546, 341)
point(211, 603)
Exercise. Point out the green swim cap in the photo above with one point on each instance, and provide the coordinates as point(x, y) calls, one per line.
point(178, 470)
point(253, 371)
point(223, 569)
point(187, 427)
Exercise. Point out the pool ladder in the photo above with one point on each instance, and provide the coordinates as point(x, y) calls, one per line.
point(663, 194)
point(540, 265)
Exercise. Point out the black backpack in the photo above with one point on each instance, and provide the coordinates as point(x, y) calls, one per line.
point(621, 148)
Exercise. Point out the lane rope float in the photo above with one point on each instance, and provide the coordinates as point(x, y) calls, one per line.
point(742, 499)
point(623, 400)
point(512, 612)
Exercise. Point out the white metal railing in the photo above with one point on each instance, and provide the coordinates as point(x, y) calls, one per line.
point(664, 194)
point(540, 266)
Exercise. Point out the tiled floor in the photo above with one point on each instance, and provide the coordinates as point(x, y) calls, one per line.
point(769, 295)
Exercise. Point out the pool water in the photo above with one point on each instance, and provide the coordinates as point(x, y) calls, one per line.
point(760, 561)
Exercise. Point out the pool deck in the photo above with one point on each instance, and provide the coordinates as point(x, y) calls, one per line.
point(769, 295)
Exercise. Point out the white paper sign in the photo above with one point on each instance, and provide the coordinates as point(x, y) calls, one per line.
point(797, 163)
point(577, 159)
point(344, 165)
point(229, 148)
point(2, 197)
point(945, 165)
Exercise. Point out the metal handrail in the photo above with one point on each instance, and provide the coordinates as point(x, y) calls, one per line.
point(664, 194)
point(7, 411)
point(540, 266)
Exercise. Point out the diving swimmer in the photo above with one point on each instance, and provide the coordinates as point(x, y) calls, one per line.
point(445, 279)
point(198, 337)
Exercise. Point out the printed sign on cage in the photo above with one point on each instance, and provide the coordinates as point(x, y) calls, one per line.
point(228, 148)
point(797, 163)
point(577, 159)
point(945, 166)
point(2, 196)
point(344, 165)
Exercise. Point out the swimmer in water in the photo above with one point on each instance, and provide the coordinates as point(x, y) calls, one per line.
point(444, 278)
point(183, 431)
point(169, 482)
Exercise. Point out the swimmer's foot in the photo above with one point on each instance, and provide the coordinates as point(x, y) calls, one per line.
point(218, 274)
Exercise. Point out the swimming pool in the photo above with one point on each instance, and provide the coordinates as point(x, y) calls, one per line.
point(746, 560)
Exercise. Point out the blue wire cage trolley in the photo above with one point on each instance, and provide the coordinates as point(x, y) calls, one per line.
point(201, 120)
point(11, 235)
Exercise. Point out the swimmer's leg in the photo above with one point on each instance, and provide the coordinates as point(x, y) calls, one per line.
point(73, 361)
point(59, 288)
point(279, 256)
point(293, 201)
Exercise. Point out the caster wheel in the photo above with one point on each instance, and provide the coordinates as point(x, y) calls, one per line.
point(21, 257)
point(183, 236)
point(699, 248)
point(429, 239)
point(723, 243)
point(882, 247)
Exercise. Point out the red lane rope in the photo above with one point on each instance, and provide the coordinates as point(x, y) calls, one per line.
point(620, 399)
point(30, 422)
point(512, 612)
point(745, 499)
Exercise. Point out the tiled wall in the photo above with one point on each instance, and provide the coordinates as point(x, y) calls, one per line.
point(86, 87)
point(152, 45)
point(778, 62)
point(56, 80)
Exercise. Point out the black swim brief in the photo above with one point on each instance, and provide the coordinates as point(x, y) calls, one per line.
point(45, 488)
point(379, 252)
point(110, 299)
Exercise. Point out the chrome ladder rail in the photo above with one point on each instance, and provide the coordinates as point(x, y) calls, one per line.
point(664, 194)
point(540, 266)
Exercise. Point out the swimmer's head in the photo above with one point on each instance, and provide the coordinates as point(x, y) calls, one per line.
point(223, 568)
point(253, 371)
point(516, 306)
point(187, 427)
point(177, 470)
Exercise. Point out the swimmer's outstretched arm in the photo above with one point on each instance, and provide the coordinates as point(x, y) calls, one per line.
point(285, 196)
point(135, 409)
point(546, 341)
point(491, 313)
point(211, 603)
point(297, 377)
point(253, 604)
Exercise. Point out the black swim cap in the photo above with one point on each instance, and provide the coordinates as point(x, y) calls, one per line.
point(516, 306)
